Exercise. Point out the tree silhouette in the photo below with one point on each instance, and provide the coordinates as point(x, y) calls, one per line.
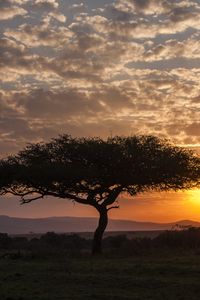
point(93, 171)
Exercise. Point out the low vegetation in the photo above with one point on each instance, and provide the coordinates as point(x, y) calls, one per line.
point(58, 266)
point(120, 245)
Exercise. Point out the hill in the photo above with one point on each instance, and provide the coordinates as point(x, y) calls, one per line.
point(13, 225)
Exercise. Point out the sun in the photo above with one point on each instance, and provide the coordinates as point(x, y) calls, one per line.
point(194, 196)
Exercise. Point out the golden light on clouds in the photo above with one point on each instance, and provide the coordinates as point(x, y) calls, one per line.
point(93, 68)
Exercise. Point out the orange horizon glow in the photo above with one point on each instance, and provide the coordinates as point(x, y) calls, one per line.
point(161, 207)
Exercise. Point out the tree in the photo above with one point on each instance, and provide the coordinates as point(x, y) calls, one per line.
point(93, 171)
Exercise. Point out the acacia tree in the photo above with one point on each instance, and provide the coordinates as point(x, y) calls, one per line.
point(93, 171)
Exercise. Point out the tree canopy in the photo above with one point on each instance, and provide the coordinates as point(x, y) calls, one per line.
point(94, 171)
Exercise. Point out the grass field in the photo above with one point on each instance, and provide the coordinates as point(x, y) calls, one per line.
point(58, 277)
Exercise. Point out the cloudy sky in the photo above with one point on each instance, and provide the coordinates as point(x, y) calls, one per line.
point(96, 68)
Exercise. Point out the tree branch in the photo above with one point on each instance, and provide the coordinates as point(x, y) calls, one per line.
point(71, 197)
point(116, 206)
point(112, 196)
point(24, 201)
point(89, 200)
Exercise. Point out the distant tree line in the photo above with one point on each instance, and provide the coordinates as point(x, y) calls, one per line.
point(51, 243)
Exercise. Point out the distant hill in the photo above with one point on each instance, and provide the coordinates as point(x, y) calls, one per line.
point(12, 225)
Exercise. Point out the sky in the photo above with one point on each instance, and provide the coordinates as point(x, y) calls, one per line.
point(96, 68)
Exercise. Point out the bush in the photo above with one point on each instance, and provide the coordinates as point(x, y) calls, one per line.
point(186, 239)
point(5, 241)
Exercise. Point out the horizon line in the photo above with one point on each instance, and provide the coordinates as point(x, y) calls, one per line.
point(126, 220)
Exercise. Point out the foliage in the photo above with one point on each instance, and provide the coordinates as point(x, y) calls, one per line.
point(89, 170)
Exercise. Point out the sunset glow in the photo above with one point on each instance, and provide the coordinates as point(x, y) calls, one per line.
point(193, 198)
point(161, 207)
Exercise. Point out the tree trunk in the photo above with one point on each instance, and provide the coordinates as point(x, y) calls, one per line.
point(97, 240)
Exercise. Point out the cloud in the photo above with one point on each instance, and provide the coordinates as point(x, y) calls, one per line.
point(77, 8)
point(17, 61)
point(57, 104)
point(9, 49)
point(189, 48)
point(146, 7)
point(19, 2)
point(59, 17)
point(128, 67)
point(149, 18)
point(14, 59)
point(156, 7)
point(193, 129)
point(45, 4)
point(78, 5)
point(40, 35)
point(10, 12)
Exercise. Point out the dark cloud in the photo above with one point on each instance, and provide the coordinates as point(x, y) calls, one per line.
point(45, 4)
point(5, 3)
point(40, 35)
point(181, 14)
point(46, 104)
point(141, 4)
point(167, 64)
point(196, 99)
point(193, 129)
point(10, 51)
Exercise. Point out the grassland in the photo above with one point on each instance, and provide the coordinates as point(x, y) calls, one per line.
point(57, 276)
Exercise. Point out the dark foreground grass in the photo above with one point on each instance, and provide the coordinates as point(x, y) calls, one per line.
point(57, 277)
